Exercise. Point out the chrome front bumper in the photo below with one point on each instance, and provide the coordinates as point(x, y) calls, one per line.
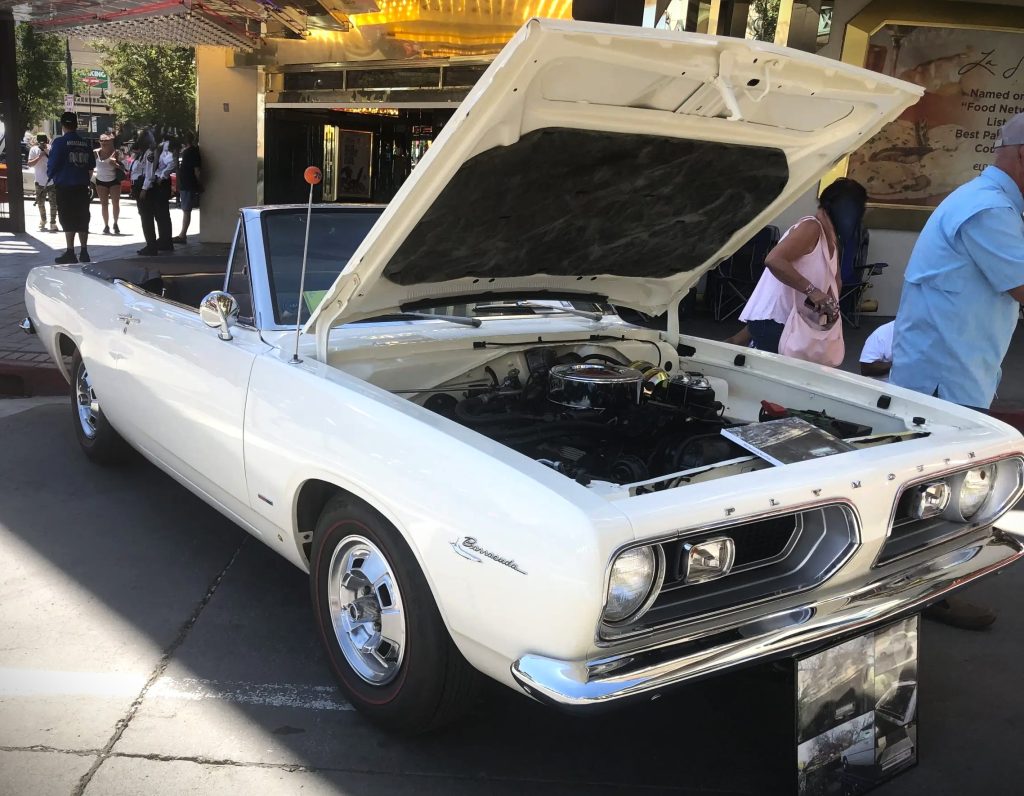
point(649, 672)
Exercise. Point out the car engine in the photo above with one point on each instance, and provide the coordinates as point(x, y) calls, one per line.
point(593, 417)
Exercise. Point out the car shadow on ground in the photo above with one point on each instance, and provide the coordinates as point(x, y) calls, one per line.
point(146, 550)
point(121, 570)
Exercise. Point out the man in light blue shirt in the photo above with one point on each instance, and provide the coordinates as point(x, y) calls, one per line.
point(964, 284)
point(961, 296)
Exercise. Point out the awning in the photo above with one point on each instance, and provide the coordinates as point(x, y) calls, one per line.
point(247, 24)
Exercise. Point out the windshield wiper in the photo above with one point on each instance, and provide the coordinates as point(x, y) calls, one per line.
point(426, 316)
point(592, 316)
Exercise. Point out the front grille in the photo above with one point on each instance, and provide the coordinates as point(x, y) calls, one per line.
point(775, 556)
point(910, 534)
point(756, 543)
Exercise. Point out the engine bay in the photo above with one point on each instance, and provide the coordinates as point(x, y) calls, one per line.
point(594, 416)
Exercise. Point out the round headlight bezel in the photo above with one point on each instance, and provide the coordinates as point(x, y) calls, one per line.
point(645, 597)
point(984, 474)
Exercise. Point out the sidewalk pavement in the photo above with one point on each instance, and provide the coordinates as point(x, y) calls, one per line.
point(25, 367)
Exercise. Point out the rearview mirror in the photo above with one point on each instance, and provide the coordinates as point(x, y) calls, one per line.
point(219, 310)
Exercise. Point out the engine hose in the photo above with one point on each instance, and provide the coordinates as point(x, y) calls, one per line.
point(604, 358)
point(682, 449)
point(465, 414)
point(663, 445)
point(562, 429)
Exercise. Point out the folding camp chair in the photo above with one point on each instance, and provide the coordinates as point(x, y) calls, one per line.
point(735, 278)
point(856, 273)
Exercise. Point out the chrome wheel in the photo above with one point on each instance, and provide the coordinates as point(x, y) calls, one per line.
point(88, 406)
point(366, 610)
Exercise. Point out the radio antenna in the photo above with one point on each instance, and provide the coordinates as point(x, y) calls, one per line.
point(313, 176)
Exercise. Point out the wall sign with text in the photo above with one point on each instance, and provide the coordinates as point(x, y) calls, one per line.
point(974, 81)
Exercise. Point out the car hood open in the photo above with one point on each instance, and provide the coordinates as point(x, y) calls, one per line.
point(609, 160)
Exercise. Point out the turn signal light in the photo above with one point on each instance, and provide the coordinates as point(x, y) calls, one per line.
point(709, 559)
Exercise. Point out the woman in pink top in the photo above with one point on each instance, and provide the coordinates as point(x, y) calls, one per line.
point(800, 252)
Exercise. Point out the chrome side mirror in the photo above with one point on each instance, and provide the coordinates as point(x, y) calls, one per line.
point(219, 310)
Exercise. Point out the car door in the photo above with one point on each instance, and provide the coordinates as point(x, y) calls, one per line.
point(187, 390)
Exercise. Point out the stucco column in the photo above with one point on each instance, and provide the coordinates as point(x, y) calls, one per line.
point(230, 110)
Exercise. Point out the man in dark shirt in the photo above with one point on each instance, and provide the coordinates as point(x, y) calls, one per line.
point(70, 167)
point(189, 186)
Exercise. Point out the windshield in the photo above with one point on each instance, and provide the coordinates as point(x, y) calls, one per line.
point(334, 234)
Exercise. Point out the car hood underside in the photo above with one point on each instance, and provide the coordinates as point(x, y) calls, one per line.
point(611, 161)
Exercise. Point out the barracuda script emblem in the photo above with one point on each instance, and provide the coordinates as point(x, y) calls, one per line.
point(470, 549)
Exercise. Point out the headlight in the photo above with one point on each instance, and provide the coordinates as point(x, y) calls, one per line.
point(631, 582)
point(975, 489)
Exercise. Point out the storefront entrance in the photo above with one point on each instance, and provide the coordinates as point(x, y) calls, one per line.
point(365, 153)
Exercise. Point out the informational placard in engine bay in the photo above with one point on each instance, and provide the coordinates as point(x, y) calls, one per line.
point(856, 711)
point(973, 81)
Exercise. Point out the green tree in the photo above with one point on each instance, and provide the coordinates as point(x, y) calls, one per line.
point(41, 75)
point(151, 84)
point(764, 18)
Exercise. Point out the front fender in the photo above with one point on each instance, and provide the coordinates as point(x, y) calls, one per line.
point(439, 483)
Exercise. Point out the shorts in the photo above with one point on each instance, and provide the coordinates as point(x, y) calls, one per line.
point(108, 183)
point(766, 334)
point(73, 207)
point(189, 199)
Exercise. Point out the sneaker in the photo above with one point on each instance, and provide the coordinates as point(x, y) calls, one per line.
point(116, 230)
point(42, 227)
point(145, 251)
point(83, 256)
point(67, 258)
point(178, 239)
point(53, 227)
point(106, 230)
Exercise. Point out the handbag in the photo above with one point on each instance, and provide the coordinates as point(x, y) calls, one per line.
point(805, 337)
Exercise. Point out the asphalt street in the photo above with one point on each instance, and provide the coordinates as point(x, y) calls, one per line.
point(148, 646)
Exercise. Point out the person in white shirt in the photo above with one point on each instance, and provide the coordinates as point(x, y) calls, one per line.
point(876, 356)
point(108, 183)
point(154, 208)
point(38, 156)
point(135, 171)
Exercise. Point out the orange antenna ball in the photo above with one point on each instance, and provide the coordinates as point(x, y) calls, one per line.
point(313, 175)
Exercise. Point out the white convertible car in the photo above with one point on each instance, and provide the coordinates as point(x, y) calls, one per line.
point(481, 465)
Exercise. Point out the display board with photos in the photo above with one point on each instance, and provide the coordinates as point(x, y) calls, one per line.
point(856, 711)
point(973, 81)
